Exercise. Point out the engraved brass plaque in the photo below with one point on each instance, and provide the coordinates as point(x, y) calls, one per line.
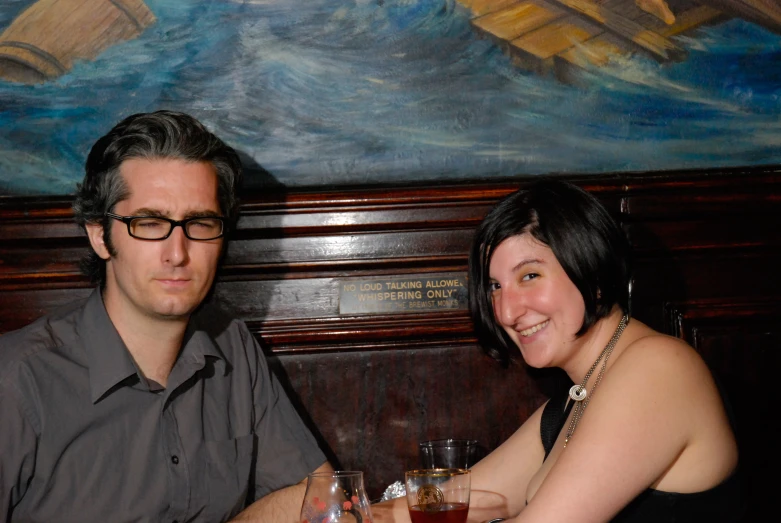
point(402, 294)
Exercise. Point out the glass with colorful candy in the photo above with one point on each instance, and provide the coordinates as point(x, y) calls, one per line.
point(438, 495)
point(335, 497)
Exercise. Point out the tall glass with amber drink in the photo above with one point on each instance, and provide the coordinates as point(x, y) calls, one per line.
point(438, 495)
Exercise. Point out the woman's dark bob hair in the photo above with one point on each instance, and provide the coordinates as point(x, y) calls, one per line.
point(588, 243)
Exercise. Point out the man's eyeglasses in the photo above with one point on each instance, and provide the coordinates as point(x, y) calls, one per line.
point(200, 228)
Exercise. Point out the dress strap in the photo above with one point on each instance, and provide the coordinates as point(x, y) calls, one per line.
point(553, 417)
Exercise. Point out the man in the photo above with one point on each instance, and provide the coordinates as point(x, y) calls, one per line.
point(140, 403)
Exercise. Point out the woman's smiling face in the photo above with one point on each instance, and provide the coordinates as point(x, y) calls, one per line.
point(535, 302)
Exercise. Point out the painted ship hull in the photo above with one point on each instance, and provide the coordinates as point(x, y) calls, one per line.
point(43, 42)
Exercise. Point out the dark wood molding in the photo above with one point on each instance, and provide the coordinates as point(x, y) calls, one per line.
point(687, 319)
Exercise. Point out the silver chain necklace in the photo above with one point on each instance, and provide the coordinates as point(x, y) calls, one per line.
point(578, 393)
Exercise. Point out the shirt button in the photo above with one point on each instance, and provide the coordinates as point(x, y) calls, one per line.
point(175, 461)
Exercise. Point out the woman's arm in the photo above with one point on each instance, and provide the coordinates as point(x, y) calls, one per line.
point(498, 481)
point(654, 418)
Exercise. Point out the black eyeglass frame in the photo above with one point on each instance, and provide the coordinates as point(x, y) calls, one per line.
point(127, 220)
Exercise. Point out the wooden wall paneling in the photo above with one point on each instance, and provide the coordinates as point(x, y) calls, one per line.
point(741, 341)
point(348, 250)
point(22, 306)
point(664, 278)
point(372, 407)
point(373, 385)
point(692, 238)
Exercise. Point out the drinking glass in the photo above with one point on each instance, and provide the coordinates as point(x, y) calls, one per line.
point(448, 453)
point(437, 495)
point(335, 497)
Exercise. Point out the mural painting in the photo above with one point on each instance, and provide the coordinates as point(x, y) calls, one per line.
point(325, 93)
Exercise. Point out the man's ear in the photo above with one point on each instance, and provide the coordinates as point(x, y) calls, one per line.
point(95, 235)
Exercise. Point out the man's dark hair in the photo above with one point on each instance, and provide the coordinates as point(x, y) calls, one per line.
point(588, 243)
point(157, 135)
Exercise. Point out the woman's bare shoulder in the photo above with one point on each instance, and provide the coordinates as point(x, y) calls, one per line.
point(646, 346)
point(670, 370)
point(670, 380)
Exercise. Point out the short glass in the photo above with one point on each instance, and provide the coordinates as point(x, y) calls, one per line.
point(335, 497)
point(448, 453)
point(438, 495)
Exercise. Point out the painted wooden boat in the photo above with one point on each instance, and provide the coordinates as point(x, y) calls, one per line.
point(44, 40)
point(545, 35)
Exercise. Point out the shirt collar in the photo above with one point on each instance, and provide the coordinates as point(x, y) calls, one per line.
point(198, 344)
point(107, 356)
point(110, 361)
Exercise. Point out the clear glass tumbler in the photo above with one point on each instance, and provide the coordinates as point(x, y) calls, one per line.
point(448, 453)
point(336, 497)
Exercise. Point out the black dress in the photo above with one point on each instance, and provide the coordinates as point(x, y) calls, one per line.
point(721, 504)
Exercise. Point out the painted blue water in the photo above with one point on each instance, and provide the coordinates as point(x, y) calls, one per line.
point(342, 92)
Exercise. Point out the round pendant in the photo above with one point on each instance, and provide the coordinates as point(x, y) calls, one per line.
point(577, 393)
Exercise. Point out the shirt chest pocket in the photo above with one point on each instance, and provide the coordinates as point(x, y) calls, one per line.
point(229, 464)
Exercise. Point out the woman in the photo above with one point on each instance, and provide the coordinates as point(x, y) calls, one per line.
point(643, 434)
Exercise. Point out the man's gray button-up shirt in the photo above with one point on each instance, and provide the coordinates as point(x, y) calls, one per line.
point(85, 438)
